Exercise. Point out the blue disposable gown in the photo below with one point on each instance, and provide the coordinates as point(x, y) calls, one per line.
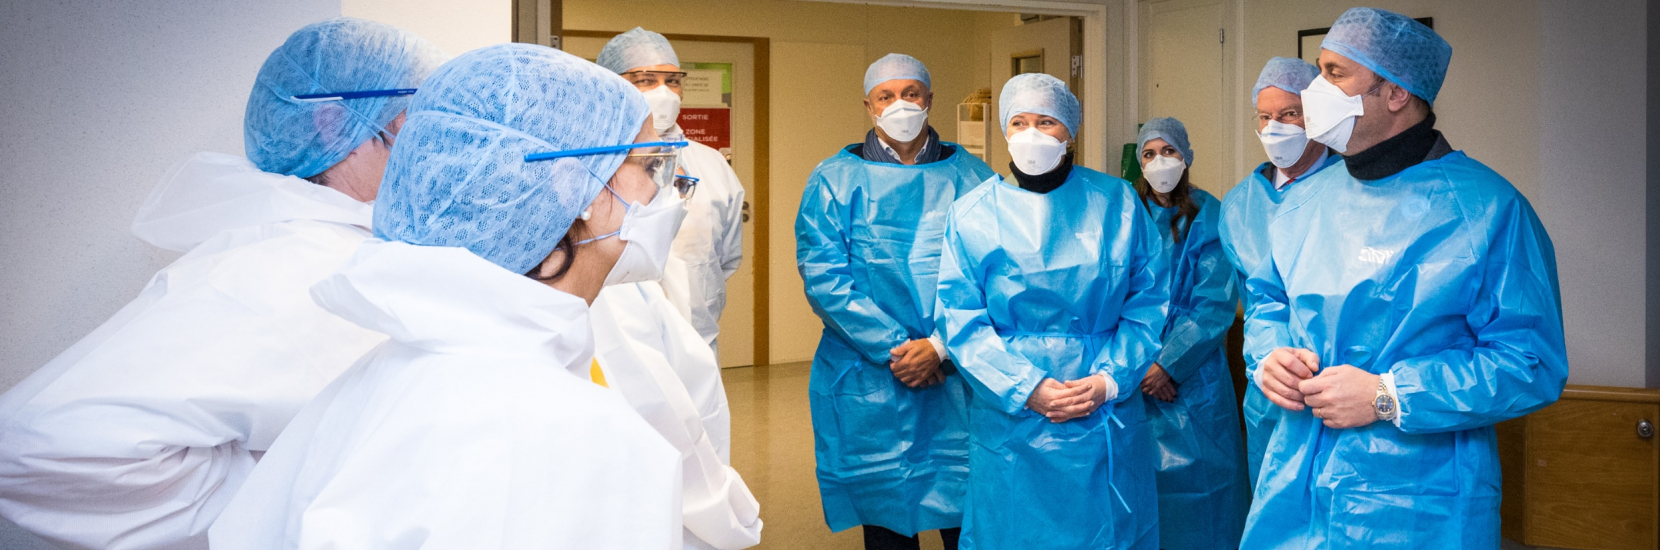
point(1245, 215)
point(868, 244)
point(1203, 495)
point(1062, 285)
point(1443, 276)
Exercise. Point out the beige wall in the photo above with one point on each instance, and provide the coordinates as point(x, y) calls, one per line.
point(819, 55)
point(454, 26)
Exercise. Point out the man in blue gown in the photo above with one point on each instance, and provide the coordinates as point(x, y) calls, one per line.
point(1410, 302)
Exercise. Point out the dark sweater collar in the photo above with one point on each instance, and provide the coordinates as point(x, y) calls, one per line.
point(1402, 151)
point(1047, 181)
point(873, 151)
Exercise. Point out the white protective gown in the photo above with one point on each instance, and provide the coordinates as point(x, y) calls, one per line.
point(466, 430)
point(665, 370)
point(710, 244)
point(137, 436)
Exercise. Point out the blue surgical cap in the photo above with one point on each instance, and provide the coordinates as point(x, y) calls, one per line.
point(1041, 94)
point(634, 49)
point(1286, 73)
point(1168, 129)
point(896, 66)
point(458, 177)
point(286, 136)
point(1393, 45)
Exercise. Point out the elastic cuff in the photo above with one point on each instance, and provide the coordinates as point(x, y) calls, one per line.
point(1112, 387)
point(1388, 379)
point(939, 347)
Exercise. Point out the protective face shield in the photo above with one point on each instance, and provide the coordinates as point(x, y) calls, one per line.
point(1035, 152)
point(647, 232)
point(1329, 114)
point(903, 120)
point(665, 108)
point(1163, 173)
point(1284, 143)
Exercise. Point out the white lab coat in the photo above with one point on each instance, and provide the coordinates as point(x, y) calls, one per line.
point(137, 436)
point(665, 370)
point(710, 244)
point(466, 430)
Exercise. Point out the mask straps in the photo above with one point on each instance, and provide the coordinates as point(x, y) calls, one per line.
point(588, 213)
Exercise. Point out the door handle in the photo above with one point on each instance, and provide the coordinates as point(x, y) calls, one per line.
point(1645, 429)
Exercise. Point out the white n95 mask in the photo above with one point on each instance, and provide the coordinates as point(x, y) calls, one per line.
point(903, 120)
point(1283, 142)
point(665, 108)
point(1163, 173)
point(1035, 152)
point(1329, 114)
point(647, 232)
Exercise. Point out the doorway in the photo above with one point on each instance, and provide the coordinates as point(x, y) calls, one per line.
point(1186, 74)
point(736, 68)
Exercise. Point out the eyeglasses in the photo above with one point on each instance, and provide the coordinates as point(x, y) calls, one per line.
point(660, 164)
point(686, 185)
point(337, 96)
point(647, 80)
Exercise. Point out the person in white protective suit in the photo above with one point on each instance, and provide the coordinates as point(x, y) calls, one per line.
point(645, 351)
point(526, 179)
point(710, 244)
point(138, 435)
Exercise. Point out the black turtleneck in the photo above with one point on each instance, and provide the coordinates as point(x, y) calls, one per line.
point(1047, 181)
point(1402, 151)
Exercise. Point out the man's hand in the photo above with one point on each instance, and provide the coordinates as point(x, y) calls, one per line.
point(1342, 397)
point(1060, 402)
point(1282, 371)
point(916, 364)
point(1158, 384)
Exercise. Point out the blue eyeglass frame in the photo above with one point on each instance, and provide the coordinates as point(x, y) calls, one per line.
point(550, 155)
point(337, 96)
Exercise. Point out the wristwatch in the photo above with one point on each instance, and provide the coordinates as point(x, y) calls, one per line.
point(1384, 403)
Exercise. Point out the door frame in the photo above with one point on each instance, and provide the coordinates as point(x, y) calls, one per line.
point(762, 48)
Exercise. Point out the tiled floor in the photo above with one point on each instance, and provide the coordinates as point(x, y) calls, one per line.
point(772, 446)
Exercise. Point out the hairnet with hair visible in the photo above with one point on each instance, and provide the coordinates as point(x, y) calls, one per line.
point(1395, 47)
point(283, 135)
point(1168, 129)
point(634, 49)
point(458, 177)
point(1041, 94)
point(896, 66)
point(1286, 73)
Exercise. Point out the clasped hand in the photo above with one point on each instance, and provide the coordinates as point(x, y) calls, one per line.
point(916, 364)
point(1341, 398)
point(1062, 402)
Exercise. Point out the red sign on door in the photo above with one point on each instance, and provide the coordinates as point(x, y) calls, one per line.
point(709, 126)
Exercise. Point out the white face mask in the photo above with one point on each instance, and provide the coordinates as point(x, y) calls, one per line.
point(1163, 173)
point(903, 120)
point(665, 108)
point(1329, 114)
point(1035, 152)
point(1283, 142)
point(647, 231)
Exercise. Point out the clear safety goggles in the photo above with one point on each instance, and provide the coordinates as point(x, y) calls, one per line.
point(662, 159)
point(646, 80)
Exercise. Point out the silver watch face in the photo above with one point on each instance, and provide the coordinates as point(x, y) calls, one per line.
point(1384, 405)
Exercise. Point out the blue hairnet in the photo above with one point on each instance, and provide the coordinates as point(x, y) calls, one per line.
point(1286, 73)
point(634, 49)
point(1041, 94)
point(286, 136)
point(1168, 129)
point(458, 177)
point(896, 66)
point(1393, 45)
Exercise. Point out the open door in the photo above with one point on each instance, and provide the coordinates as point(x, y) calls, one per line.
point(1052, 46)
point(720, 106)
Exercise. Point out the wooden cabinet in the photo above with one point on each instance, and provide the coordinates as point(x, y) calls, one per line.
point(1581, 474)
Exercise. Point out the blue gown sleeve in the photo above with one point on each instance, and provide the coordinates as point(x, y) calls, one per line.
point(1268, 318)
point(1131, 349)
point(1195, 333)
point(1519, 362)
point(997, 375)
point(822, 250)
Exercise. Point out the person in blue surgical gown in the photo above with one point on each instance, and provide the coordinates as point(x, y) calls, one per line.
point(1052, 300)
point(1188, 391)
point(888, 406)
point(1409, 303)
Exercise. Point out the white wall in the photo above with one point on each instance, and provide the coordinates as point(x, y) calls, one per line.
point(1551, 94)
point(99, 98)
